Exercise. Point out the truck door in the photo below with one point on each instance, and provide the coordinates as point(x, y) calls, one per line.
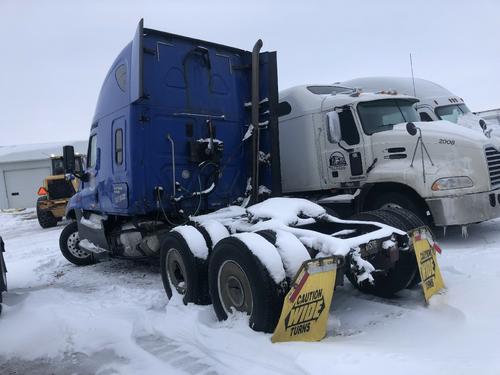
point(345, 160)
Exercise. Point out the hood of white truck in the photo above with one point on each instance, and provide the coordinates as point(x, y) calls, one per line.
point(448, 129)
point(452, 151)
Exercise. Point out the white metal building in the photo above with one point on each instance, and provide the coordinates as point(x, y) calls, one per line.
point(23, 169)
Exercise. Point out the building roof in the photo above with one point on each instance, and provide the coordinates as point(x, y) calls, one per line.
point(39, 151)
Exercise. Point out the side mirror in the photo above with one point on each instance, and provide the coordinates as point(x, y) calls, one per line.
point(69, 159)
point(411, 128)
point(482, 124)
point(334, 127)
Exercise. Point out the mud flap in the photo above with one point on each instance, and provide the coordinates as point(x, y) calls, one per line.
point(307, 305)
point(425, 252)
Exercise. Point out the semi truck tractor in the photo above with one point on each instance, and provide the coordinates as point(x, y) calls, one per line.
point(361, 144)
point(435, 101)
point(184, 164)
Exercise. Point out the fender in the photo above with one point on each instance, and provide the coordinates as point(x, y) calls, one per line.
point(359, 201)
point(369, 188)
point(73, 204)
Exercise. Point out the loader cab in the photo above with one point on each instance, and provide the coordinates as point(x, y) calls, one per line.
point(58, 164)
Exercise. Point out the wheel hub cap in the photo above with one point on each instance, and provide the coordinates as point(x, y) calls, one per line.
point(176, 271)
point(235, 292)
point(74, 248)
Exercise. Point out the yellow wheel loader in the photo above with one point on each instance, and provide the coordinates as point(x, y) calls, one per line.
point(55, 193)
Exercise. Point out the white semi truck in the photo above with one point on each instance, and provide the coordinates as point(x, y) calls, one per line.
point(491, 116)
point(371, 151)
point(435, 101)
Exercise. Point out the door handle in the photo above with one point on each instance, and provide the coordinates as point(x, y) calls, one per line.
point(15, 193)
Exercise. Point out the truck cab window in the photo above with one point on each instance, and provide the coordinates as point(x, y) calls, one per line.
point(121, 77)
point(451, 112)
point(348, 128)
point(425, 117)
point(119, 146)
point(92, 152)
point(381, 115)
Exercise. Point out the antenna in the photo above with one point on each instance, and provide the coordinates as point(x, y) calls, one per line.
point(412, 77)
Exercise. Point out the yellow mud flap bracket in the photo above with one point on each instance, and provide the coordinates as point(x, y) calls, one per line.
point(306, 307)
point(425, 251)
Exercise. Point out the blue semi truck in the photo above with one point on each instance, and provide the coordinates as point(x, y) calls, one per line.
point(184, 165)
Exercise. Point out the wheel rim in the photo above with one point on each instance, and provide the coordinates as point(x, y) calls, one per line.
point(176, 271)
point(72, 244)
point(234, 288)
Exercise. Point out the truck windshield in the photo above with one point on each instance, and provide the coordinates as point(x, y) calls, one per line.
point(451, 112)
point(380, 115)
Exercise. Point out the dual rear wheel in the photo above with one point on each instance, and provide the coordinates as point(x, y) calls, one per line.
point(233, 280)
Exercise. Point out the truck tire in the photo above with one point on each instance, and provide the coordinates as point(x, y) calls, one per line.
point(413, 222)
point(45, 218)
point(68, 243)
point(399, 200)
point(183, 271)
point(238, 281)
point(396, 278)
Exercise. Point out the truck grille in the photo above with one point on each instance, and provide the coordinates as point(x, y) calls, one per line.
point(493, 159)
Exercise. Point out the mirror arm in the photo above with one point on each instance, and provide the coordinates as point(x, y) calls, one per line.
point(343, 148)
point(82, 176)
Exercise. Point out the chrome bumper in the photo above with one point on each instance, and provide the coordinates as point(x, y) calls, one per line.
point(466, 209)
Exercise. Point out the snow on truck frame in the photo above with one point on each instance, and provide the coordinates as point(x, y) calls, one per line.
point(183, 130)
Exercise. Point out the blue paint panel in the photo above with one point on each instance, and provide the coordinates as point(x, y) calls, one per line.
point(120, 195)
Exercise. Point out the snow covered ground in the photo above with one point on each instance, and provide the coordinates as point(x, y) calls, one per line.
point(113, 318)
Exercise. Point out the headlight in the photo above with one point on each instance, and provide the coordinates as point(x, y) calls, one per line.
point(449, 183)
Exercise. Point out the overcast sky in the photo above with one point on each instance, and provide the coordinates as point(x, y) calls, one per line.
point(55, 54)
